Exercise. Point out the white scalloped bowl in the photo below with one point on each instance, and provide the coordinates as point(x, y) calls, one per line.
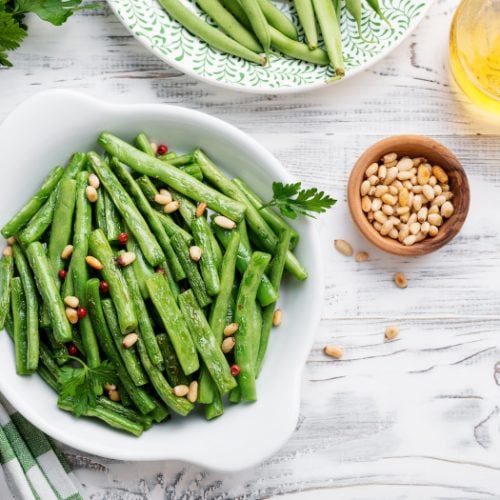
point(43, 132)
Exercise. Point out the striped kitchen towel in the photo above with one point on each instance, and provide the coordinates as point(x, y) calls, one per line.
point(32, 465)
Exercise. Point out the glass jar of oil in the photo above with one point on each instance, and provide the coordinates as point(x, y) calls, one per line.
point(475, 51)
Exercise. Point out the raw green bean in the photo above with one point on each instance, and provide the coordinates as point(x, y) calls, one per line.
point(6, 274)
point(307, 19)
point(118, 289)
point(113, 223)
point(142, 142)
point(121, 199)
point(266, 293)
point(42, 219)
point(227, 23)
point(337, 5)
point(255, 220)
point(173, 369)
point(375, 5)
point(145, 420)
point(244, 350)
point(330, 29)
point(258, 21)
point(191, 269)
point(18, 307)
point(278, 20)
point(31, 298)
point(100, 211)
point(150, 215)
point(129, 356)
point(162, 387)
point(48, 290)
point(184, 183)
point(208, 262)
point(174, 323)
point(145, 325)
point(268, 214)
point(275, 275)
point(208, 33)
point(297, 50)
point(206, 343)
point(24, 215)
point(355, 9)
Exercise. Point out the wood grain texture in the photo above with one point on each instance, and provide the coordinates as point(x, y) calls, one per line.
point(415, 418)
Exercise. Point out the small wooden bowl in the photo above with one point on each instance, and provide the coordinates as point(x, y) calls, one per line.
point(412, 146)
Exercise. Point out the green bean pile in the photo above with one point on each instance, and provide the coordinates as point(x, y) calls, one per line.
point(251, 28)
point(154, 264)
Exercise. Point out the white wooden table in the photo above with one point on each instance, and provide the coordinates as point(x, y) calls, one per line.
point(415, 418)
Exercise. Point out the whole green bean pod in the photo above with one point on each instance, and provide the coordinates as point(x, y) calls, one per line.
point(206, 344)
point(173, 369)
point(150, 215)
point(208, 262)
point(47, 288)
point(298, 50)
point(142, 142)
point(145, 420)
point(31, 298)
point(174, 323)
point(145, 325)
point(18, 305)
point(258, 21)
point(307, 19)
point(278, 20)
point(121, 199)
point(42, 219)
point(23, 216)
point(266, 293)
point(375, 5)
point(208, 33)
point(244, 350)
point(180, 181)
point(118, 289)
point(227, 23)
point(275, 275)
point(6, 274)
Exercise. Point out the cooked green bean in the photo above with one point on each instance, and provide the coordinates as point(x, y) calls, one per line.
point(244, 350)
point(113, 223)
point(193, 170)
point(48, 378)
point(6, 274)
point(256, 326)
point(100, 211)
point(141, 266)
point(206, 343)
point(208, 262)
point(18, 308)
point(184, 183)
point(31, 298)
point(145, 420)
point(47, 288)
point(121, 199)
point(99, 248)
point(160, 413)
point(208, 33)
point(142, 142)
point(278, 20)
point(307, 19)
point(47, 359)
point(182, 160)
point(24, 215)
point(173, 369)
point(174, 323)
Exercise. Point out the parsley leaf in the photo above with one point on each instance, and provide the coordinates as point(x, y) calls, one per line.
point(52, 11)
point(11, 36)
point(305, 201)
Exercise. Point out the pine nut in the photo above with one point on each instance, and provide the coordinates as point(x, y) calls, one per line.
point(406, 175)
point(224, 222)
point(227, 344)
point(369, 216)
point(361, 257)
point(109, 387)
point(417, 189)
point(365, 187)
point(162, 199)
point(400, 280)
point(7, 251)
point(393, 233)
point(380, 216)
point(402, 210)
point(433, 231)
point(386, 228)
point(277, 317)
point(404, 196)
point(392, 173)
point(381, 190)
point(230, 329)
point(373, 180)
point(126, 258)
point(437, 190)
point(93, 262)
point(423, 174)
point(114, 396)
point(445, 187)
point(404, 218)
point(422, 214)
point(432, 181)
point(439, 174)
point(428, 192)
point(439, 200)
point(376, 204)
point(398, 184)
point(192, 394)
point(393, 190)
point(395, 221)
point(11, 240)
point(382, 172)
point(417, 161)
point(372, 191)
point(71, 301)
point(334, 351)
point(410, 240)
point(171, 207)
point(195, 253)
point(413, 181)
point(420, 236)
point(154, 146)
point(391, 164)
point(67, 252)
point(180, 390)
point(405, 164)
point(390, 157)
point(435, 219)
point(377, 225)
point(91, 193)
point(72, 315)
point(343, 247)
point(404, 231)
point(94, 181)
point(412, 218)
point(417, 202)
point(448, 195)
point(434, 209)
point(424, 228)
point(447, 209)
point(389, 199)
point(129, 340)
point(387, 209)
point(202, 206)
point(415, 228)
point(366, 204)
point(371, 170)
point(391, 332)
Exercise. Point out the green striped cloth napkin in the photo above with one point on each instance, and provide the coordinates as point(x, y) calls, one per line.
point(33, 466)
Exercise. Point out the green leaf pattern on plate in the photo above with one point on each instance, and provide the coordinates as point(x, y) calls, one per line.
point(149, 23)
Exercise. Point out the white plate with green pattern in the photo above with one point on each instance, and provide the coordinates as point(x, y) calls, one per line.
point(168, 40)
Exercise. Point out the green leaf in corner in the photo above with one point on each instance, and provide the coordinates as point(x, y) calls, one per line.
point(11, 36)
point(52, 11)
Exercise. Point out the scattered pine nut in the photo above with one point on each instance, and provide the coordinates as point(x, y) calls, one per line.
point(171, 207)
point(154, 146)
point(200, 209)
point(72, 315)
point(114, 395)
point(67, 252)
point(93, 262)
point(94, 181)
point(195, 253)
point(192, 394)
point(361, 257)
point(71, 301)
point(109, 387)
point(162, 199)
point(277, 317)
point(11, 240)
point(230, 329)
point(91, 193)
point(334, 351)
point(129, 340)
point(7, 251)
point(343, 247)
point(400, 280)
point(224, 222)
point(126, 258)
point(227, 344)
point(391, 332)
point(180, 390)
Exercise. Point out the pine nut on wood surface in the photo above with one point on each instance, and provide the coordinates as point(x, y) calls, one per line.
point(334, 351)
point(343, 247)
